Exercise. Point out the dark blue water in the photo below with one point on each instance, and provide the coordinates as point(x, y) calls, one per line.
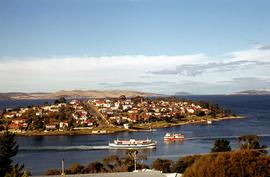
point(22, 103)
point(41, 153)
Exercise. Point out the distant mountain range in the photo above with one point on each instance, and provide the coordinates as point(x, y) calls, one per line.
point(73, 94)
point(182, 93)
point(253, 92)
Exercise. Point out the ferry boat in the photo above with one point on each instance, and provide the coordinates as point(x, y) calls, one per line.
point(133, 144)
point(173, 136)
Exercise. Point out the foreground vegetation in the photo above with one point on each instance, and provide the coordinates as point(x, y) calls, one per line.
point(8, 149)
point(250, 160)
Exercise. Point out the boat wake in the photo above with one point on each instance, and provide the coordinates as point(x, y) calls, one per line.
point(63, 148)
point(221, 137)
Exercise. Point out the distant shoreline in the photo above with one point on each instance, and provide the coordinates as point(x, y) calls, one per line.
point(137, 128)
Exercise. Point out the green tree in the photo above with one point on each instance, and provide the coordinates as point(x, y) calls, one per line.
point(16, 172)
point(60, 100)
point(221, 145)
point(251, 142)
point(8, 149)
point(122, 98)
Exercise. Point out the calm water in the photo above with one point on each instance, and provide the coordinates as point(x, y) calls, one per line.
point(41, 153)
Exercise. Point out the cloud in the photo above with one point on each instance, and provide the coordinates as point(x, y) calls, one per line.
point(248, 80)
point(257, 53)
point(135, 84)
point(246, 83)
point(197, 69)
point(146, 73)
point(264, 47)
point(55, 73)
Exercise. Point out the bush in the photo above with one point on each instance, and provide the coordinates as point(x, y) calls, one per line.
point(52, 172)
point(221, 145)
point(162, 165)
point(248, 163)
point(184, 162)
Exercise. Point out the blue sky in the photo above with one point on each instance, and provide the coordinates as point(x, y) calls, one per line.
point(163, 46)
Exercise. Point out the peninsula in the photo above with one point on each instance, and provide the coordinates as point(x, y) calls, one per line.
point(109, 115)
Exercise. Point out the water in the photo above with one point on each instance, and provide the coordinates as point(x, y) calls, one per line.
point(41, 153)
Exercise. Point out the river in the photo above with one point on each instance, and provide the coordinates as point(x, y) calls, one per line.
point(38, 154)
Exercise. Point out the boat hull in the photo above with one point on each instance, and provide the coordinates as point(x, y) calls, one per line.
point(132, 146)
point(173, 137)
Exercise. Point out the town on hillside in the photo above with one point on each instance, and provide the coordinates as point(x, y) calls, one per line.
point(108, 114)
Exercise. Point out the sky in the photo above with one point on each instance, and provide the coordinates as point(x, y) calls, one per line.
point(159, 46)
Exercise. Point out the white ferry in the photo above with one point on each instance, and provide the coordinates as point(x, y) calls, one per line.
point(173, 136)
point(133, 144)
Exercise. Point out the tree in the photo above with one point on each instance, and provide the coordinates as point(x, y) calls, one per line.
point(251, 142)
point(200, 113)
point(184, 162)
point(60, 100)
point(75, 168)
point(8, 149)
point(122, 98)
point(112, 162)
point(236, 163)
point(95, 167)
point(162, 165)
point(52, 172)
point(16, 172)
point(221, 145)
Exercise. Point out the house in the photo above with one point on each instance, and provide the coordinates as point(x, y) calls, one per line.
point(126, 126)
point(51, 126)
point(19, 120)
point(63, 124)
point(15, 127)
point(10, 115)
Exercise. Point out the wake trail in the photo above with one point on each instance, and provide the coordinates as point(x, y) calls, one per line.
point(63, 148)
point(221, 137)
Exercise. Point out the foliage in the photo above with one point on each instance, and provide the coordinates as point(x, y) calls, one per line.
point(246, 163)
point(221, 145)
point(162, 165)
point(95, 167)
point(109, 164)
point(60, 100)
point(75, 168)
point(184, 162)
point(8, 149)
point(52, 172)
point(199, 113)
point(122, 98)
point(251, 142)
point(16, 172)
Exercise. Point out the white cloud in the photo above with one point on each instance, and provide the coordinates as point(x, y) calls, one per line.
point(169, 74)
point(82, 72)
point(257, 53)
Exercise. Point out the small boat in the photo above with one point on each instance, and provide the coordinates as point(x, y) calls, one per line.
point(133, 144)
point(209, 122)
point(173, 137)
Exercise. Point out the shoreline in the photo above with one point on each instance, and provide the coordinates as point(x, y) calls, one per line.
point(137, 128)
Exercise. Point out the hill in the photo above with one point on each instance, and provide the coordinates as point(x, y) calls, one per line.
point(74, 94)
point(182, 93)
point(253, 92)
